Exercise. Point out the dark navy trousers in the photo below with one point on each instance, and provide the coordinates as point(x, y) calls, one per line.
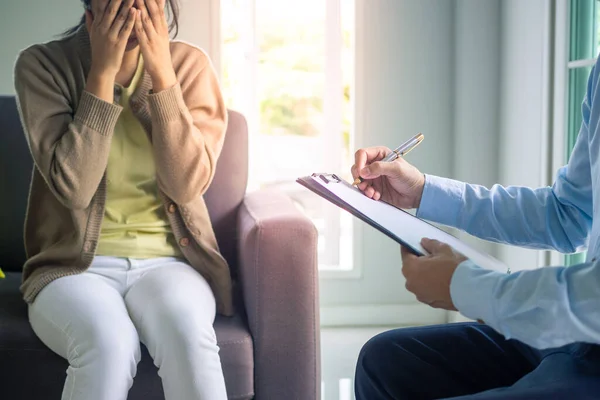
point(471, 361)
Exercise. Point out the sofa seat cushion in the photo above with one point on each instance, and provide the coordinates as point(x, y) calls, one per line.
point(22, 354)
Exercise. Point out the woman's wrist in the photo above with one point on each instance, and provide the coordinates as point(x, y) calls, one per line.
point(163, 80)
point(101, 84)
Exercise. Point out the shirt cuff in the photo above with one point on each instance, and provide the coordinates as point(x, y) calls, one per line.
point(473, 292)
point(442, 200)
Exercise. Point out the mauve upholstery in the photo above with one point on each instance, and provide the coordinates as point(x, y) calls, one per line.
point(269, 349)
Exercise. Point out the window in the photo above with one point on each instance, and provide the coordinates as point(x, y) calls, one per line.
point(584, 39)
point(289, 68)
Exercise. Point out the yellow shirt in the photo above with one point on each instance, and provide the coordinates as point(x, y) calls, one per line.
point(135, 224)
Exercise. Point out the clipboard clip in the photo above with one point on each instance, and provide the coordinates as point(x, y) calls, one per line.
point(327, 177)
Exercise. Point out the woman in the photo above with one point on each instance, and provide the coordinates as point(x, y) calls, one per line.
point(125, 128)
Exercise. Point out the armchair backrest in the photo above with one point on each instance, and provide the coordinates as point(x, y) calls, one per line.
point(228, 188)
point(223, 197)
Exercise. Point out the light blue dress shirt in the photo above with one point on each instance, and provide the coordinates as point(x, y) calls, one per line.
point(545, 307)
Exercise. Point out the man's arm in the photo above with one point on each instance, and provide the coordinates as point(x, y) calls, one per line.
point(558, 217)
point(538, 307)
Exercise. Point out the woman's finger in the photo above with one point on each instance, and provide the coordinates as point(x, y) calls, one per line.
point(98, 11)
point(110, 13)
point(140, 33)
point(147, 24)
point(163, 15)
point(129, 24)
point(154, 12)
point(122, 18)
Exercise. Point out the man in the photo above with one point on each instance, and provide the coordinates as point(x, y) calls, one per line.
point(538, 330)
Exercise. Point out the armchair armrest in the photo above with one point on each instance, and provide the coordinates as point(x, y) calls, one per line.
point(278, 276)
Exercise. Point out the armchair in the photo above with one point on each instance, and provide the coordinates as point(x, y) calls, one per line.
point(269, 349)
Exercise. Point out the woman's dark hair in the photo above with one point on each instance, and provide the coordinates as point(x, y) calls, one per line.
point(172, 13)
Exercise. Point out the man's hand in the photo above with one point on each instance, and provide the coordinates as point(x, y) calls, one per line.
point(428, 277)
point(398, 182)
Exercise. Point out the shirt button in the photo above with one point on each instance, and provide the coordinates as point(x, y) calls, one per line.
point(184, 242)
point(172, 208)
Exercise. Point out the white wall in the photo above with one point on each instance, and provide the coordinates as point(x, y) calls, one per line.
point(25, 22)
point(501, 100)
point(477, 96)
point(523, 100)
point(477, 100)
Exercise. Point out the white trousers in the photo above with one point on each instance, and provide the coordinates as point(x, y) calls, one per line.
point(97, 319)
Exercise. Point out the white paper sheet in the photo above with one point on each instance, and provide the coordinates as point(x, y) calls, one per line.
point(405, 226)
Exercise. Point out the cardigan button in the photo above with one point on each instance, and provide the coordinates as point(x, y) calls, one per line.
point(172, 208)
point(88, 246)
point(184, 242)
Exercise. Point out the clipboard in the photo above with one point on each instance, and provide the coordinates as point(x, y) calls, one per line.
point(399, 225)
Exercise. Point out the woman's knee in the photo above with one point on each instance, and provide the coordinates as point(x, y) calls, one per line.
point(178, 322)
point(188, 333)
point(112, 346)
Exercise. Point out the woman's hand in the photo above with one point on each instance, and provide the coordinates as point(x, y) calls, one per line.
point(397, 182)
point(152, 32)
point(109, 31)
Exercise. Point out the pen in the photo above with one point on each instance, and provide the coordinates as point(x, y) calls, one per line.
point(400, 151)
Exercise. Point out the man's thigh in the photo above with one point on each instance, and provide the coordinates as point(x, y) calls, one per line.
point(440, 361)
point(565, 373)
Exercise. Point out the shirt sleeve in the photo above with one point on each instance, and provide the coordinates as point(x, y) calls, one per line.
point(539, 307)
point(557, 217)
